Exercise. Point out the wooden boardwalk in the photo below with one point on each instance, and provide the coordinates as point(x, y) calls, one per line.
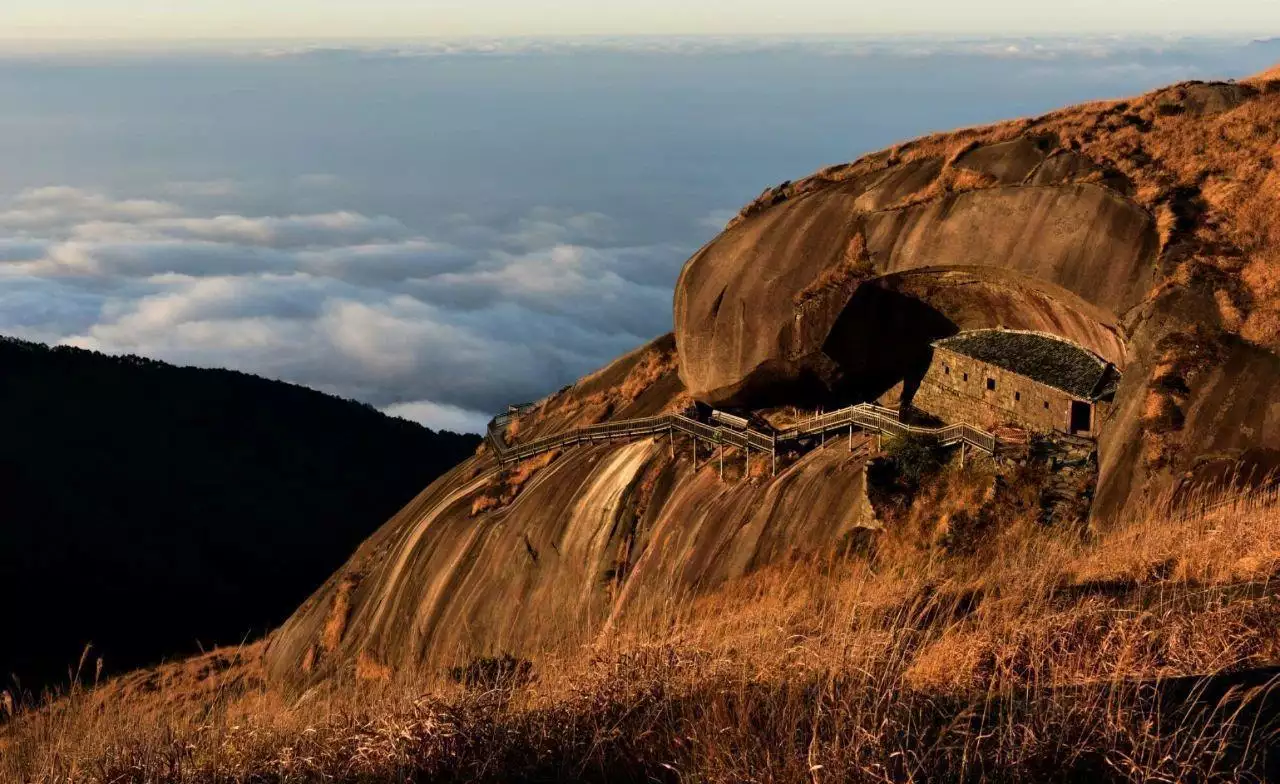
point(731, 430)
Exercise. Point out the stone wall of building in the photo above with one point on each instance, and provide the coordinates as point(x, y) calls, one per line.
point(957, 388)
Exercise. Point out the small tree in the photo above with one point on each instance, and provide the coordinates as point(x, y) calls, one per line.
point(915, 459)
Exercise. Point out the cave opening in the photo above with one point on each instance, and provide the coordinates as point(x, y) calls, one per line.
point(882, 344)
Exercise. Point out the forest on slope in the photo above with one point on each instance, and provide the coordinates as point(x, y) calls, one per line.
point(152, 510)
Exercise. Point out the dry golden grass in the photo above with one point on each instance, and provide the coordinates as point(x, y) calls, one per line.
point(1043, 655)
point(576, 407)
point(335, 624)
point(953, 179)
point(483, 503)
point(651, 367)
point(853, 267)
point(1270, 75)
point(503, 489)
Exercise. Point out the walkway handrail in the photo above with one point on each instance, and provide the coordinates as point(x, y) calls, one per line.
point(884, 420)
point(863, 416)
point(626, 428)
point(742, 423)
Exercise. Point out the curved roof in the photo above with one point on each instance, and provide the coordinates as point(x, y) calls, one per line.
point(1049, 359)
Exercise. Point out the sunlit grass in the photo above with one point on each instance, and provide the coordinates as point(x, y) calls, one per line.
point(1043, 655)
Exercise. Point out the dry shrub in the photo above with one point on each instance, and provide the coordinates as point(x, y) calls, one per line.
point(854, 266)
point(1047, 655)
point(335, 624)
point(483, 503)
point(516, 478)
point(1272, 74)
point(652, 367)
point(952, 180)
point(493, 672)
point(369, 669)
point(1231, 315)
point(503, 490)
point(761, 468)
point(1161, 414)
point(575, 407)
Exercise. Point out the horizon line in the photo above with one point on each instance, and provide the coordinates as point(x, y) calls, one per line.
point(28, 45)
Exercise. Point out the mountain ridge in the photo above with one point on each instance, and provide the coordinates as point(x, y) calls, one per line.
point(138, 496)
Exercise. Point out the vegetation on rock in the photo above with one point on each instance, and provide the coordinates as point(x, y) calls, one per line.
point(1038, 656)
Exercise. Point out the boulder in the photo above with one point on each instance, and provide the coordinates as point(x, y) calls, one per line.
point(745, 336)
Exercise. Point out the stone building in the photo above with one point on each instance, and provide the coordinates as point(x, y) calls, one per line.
point(992, 377)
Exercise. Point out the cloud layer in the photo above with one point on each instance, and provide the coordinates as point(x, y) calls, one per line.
point(367, 221)
point(442, 329)
point(1038, 47)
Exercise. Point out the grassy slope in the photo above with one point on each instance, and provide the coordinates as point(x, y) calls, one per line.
point(145, 507)
point(1041, 655)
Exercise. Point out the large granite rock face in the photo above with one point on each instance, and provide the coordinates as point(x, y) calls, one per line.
point(589, 536)
point(834, 286)
point(597, 532)
point(744, 339)
point(1091, 223)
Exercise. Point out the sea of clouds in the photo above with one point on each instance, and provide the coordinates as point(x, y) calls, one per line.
point(442, 229)
point(440, 329)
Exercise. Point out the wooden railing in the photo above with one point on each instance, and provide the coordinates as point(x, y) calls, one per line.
point(738, 433)
point(886, 421)
point(625, 430)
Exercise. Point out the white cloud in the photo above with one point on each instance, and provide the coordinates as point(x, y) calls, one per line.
point(440, 417)
point(56, 206)
point(362, 306)
point(291, 231)
point(386, 262)
point(834, 45)
point(318, 230)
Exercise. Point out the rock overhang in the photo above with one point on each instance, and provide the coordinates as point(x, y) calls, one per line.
point(1077, 255)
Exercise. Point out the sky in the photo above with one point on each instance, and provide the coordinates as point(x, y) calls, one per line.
point(442, 229)
point(346, 19)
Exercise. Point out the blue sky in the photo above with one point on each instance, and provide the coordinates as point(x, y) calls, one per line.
point(166, 19)
point(439, 229)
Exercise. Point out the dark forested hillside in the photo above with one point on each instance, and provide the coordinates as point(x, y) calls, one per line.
point(151, 509)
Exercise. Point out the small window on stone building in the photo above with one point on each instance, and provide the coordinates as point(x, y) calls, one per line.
point(966, 376)
point(1017, 396)
point(1046, 405)
point(991, 384)
point(946, 370)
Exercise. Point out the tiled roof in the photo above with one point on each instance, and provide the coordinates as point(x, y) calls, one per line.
point(1049, 359)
